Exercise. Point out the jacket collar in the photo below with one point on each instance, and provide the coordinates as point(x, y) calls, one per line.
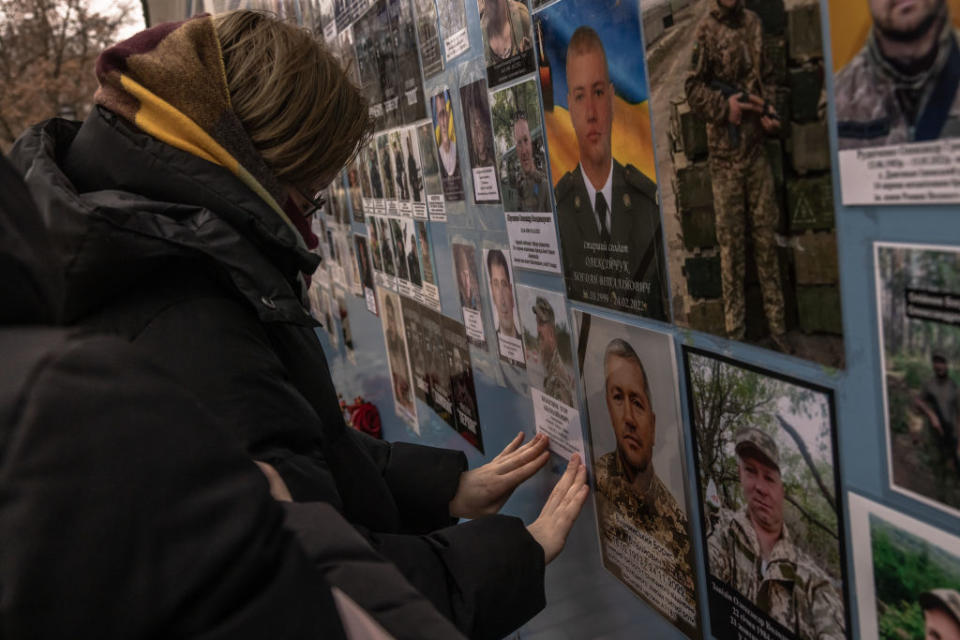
point(118, 201)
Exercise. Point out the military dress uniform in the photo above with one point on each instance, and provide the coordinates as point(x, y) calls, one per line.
point(635, 225)
point(877, 104)
point(793, 590)
point(655, 512)
point(729, 49)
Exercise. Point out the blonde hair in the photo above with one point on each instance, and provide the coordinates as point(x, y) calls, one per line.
point(293, 98)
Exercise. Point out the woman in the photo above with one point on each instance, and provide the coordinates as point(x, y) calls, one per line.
point(180, 211)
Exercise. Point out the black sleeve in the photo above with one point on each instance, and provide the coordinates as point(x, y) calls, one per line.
point(487, 575)
point(348, 562)
point(423, 480)
point(126, 510)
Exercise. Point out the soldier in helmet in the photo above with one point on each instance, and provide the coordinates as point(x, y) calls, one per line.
point(627, 481)
point(731, 88)
point(557, 382)
point(752, 549)
point(607, 213)
point(530, 188)
point(941, 614)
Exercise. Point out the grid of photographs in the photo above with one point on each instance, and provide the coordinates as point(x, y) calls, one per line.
point(704, 163)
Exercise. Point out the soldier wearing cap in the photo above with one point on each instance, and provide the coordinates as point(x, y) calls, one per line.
point(941, 614)
point(752, 549)
point(631, 492)
point(557, 382)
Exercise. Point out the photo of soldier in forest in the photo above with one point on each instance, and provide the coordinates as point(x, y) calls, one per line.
point(768, 480)
point(918, 294)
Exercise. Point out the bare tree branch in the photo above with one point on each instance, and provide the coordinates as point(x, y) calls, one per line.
point(801, 445)
point(812, 518)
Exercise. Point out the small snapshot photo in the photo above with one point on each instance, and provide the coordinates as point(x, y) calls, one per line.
point(401, 380)
point(897, 145)
point(445, 137)
point(768, 479)
point(547, 339)
point(629, 377)
point(506, 321)
point(918, 300)
point(507, 39)
point(907, 575)
point(483, 162)
point(468, 285)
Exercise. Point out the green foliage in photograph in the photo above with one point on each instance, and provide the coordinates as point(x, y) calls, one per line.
point(904, 566)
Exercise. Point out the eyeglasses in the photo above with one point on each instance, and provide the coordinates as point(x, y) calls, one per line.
point(317, 202)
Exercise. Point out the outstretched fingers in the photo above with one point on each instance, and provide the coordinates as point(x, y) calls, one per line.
point(511, 447)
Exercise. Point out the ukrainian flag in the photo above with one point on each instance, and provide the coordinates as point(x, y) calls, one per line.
point(618, 24)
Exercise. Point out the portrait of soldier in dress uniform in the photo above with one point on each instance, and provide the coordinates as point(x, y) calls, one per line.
point(768, 482)
point(629, 380)
point(607, 213)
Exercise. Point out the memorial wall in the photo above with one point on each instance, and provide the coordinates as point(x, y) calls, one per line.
point(713, 247)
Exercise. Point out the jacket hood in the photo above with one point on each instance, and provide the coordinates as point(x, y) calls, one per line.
point(31, 282)
point(120, 204)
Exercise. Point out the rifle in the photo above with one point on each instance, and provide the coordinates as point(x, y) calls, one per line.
point(728, 90)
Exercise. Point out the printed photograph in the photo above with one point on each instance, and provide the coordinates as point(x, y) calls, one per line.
point(476, 116)
point(897, 102)
point(506, 321)
point(768, 481)
point(372, 164)
point(629, 380)
point(413, 325)
point(355, 191)
point(518, 134)
point(453, 27)
point(883, 46)
point(743, 153)
point(426, 253)
point(466, 416)
point(409, 79)
point(547, 341)
point(401, 380)
point(363, 261)
point(507, 39)
point(439, 360)
point(410, 148)
point(446, 140)
point(428, 30)
point(907, 575)
point(597, 118)
point(430, 169)
point(377, 65)
point(387, 170)
point(918, 306)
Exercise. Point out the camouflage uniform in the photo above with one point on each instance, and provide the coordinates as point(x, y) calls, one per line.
point(531, 191)
point(729, 49)
point(794, 591)
point(879, 105)
point(557, 383)
point(655, 513)
point(520, 25)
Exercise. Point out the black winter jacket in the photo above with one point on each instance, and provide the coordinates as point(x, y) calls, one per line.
point(127, 512)
point(176, 255)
